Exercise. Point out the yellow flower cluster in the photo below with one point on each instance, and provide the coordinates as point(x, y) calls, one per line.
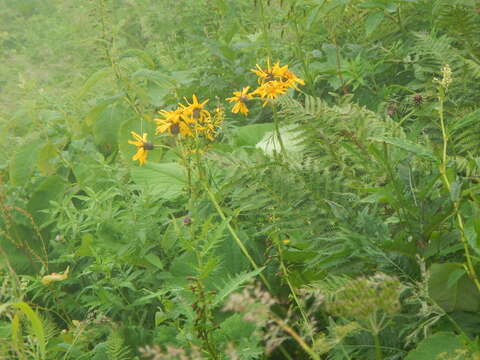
point(192, 120)
point(273, 81)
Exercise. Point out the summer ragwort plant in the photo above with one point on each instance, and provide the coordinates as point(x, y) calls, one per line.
point(265, 179)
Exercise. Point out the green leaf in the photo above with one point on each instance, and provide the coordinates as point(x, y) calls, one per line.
point(36, 323)
point(234, 284)
point(372, 22)
point(167, 180)
point(50, 189)
point(270, 142)
point(46, 154)
point(23, 162)
point(472, 228)
point(250, 135)
point(92, 80)
point(431, 347)
point(452, 289)
point(85, 248)
point(142, 55)
point(154, 260)
point(106, 126)
point(409, 146)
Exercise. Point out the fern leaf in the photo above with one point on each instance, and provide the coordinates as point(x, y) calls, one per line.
point(234, 284)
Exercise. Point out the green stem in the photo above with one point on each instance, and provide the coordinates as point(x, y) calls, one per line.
point(265, 28)
point(456, 204)
point(234, 234)
point(277, 131)
point(297, 338)
point(292, 290)
point(378, 347)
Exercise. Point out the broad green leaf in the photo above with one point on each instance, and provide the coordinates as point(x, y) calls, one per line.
point(45, 156)
point(155, 76)
point(438, 343)
point(154, 260)
point(372, 22)
point(50, 189)
point(105, 127)
point(23, 162)
point(270, 142)
point(167, 180)
point(451, 289)
point(250, 135)
point(92, 80)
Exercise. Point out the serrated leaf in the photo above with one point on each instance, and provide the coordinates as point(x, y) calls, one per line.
point(167, 180)
point(234, 284)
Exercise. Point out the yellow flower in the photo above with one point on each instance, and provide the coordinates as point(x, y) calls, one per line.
point(55, 277)
point(173, 122)
point(287, 76)
point(240, 97)
point(265, 75)
point(195, 112)
point(270, 90)
point(142, 145)
point(277, 73)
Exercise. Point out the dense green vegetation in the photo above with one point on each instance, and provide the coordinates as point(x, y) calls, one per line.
point(339, 218)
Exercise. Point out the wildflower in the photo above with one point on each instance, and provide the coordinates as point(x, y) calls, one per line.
point(142, 147)
point(240, 97)
point(418, 99)
point(55, 277)
point(446, 77)
point(195, 112)
point(173, 123)
point(290, 79)
point(270, 74)
point(277, 73)
point(271, 90)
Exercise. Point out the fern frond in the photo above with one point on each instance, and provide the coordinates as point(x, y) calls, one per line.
point(116, 349)
point(474, 68)
point(465, 134)
point(234, 284)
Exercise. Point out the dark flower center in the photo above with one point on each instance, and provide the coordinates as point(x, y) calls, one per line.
point(174, 129)
point(148, 145)
point(196, 113)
